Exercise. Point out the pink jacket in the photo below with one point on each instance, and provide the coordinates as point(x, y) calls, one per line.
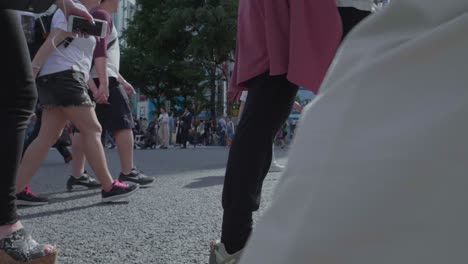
point(297, 37)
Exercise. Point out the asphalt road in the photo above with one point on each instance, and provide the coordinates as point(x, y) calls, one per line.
point(170, 222)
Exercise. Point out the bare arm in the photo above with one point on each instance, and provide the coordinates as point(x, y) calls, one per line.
point(127, 86)
point(102, 93)
point(92, 86)
point(52, 41)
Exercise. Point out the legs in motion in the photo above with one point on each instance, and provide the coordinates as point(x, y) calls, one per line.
point(53, 121)
point(15, 112)
point(84, 118)
point(268, 105)
point(124, 142)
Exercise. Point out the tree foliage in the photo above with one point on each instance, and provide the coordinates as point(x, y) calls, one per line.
point(177, 49)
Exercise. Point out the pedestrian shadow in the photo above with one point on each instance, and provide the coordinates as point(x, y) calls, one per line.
point(205, 182)
point(74, 197)
point(83, 193)
point(68, 210)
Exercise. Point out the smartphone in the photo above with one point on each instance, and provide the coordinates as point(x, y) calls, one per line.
point(35, 6)
point(79, 24)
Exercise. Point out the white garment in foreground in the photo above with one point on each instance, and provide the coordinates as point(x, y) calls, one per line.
point(378, 171)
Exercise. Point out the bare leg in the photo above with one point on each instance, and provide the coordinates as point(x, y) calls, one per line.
point(84, 118)
point(79, 159)
point(53, 121)
point(6, 230)
point(124, 142)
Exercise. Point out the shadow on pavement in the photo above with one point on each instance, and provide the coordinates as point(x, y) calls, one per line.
point(73, 197)
point(205, 182)
point(62, 211)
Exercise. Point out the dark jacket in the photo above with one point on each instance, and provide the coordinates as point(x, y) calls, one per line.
point(187, 121)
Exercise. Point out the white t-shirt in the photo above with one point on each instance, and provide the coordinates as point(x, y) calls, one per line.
point(77, 55)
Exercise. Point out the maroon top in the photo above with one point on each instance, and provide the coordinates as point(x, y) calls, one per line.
point(294, 37)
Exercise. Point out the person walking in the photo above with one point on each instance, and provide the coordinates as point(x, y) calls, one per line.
point(16, 244)
point(163, 122)
point(172, 128)
point(383, 178)
point(61, 148)
point(280, 45)
point(115, 116)
point(62, 76)
point(186, 125)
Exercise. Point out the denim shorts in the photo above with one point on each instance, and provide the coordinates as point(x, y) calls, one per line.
point(63, 89)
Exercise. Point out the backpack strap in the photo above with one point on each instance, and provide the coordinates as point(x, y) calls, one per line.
point(66, 42)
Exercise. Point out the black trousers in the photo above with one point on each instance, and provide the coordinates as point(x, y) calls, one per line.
point(184, 137)
point(267, 107)
point(350, 17)
point(62, 148)
point(19, 94)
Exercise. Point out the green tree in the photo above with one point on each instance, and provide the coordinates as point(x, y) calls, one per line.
point(177, 48)
point(213, 42)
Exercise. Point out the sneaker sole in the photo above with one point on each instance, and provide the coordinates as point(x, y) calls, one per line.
point(140, 183)
point(21, 202)
point(70, 188)
point(275, 170)
point(118, 197)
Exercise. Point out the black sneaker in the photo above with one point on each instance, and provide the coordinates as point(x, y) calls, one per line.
point(119, 190)
point(27, 197)
point(84, 180)
point(136, 176)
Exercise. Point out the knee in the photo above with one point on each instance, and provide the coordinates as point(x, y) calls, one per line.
point(91, 130)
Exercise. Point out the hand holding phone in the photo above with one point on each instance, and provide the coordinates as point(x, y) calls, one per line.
point(81, 25)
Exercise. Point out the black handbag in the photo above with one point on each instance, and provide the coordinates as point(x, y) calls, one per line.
point(35, 6)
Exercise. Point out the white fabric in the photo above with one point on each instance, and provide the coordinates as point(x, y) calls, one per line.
point(377, 172)
point(76, 56)
point(243, 96)
point(163, 118)
point(113, 56)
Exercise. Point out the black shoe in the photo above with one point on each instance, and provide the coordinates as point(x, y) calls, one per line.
point(136, 176)
point(27, 197)
point(119, 190)
point(84, 180)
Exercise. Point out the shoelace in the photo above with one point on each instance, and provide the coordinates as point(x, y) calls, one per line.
point(137, 170)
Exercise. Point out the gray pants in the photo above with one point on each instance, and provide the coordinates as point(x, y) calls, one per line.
point(164, 135)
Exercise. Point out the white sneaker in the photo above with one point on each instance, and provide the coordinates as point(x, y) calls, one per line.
point(219, 255)
point(275, 167)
